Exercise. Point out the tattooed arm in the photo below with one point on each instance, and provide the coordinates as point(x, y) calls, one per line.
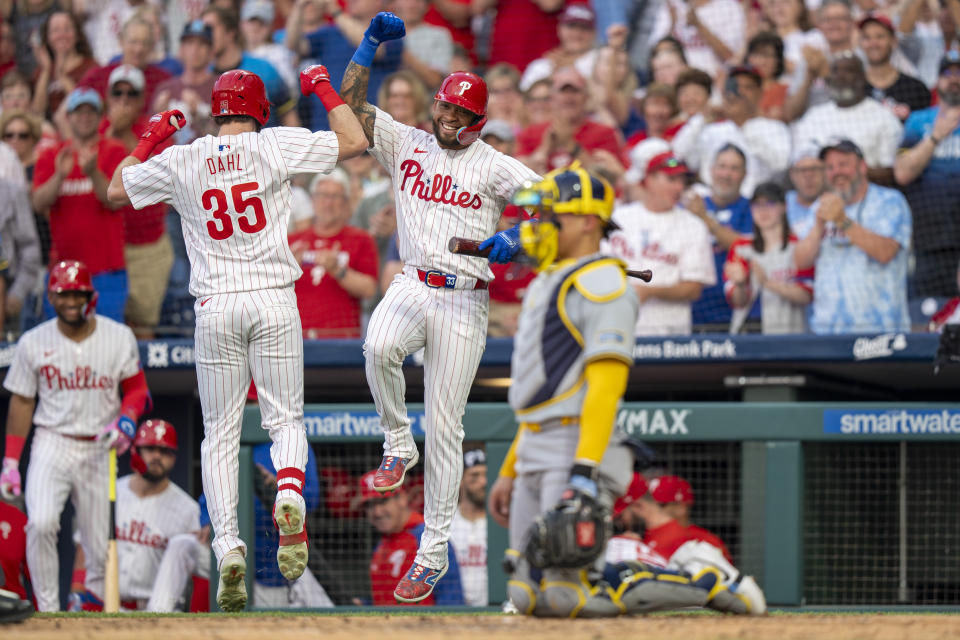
point(353, 91)
point(384, 26)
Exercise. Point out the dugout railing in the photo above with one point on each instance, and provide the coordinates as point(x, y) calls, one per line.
point(825, 503)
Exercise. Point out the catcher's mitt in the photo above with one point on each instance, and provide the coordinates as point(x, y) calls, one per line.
point(571, 535)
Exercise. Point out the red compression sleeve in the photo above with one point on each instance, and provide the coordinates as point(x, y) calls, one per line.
point(328, 96)
point(136, 396)
point(14, 446)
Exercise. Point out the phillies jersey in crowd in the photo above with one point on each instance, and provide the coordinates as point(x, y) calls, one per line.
point(677, 246)
point(855, 293)
point(469, 541)
point(393, 556)
point(144, 526)
point(326, 309)
point(81, 227)
point(13, 548)
point(778, 314)
point(432, 206)
point(233, 211)
point(703, 535)
point(78, 383)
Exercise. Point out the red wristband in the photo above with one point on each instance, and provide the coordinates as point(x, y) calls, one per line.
point(143, 150)
point(330, 99)
point(14, 446)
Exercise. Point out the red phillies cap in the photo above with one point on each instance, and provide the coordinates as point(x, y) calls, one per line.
point(666, 163)
point(367, 492)
point(636, 490)
point(880, 19)
point(578, 14)
point(666, 489)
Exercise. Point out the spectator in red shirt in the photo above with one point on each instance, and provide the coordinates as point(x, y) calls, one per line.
point(13, 551)
point(523, 30)
point(675, 495)
point(455, 16)
point(400, 529)
point(570, 135)
point(137, 43)
point(339, 264)
point(70, 185)
point(148, 252)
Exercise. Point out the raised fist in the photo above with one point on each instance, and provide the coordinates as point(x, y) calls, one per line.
point(164, 124)
point(385, 26)
point(311, 77)
point(10, 479)
point(119, 434)
point(160, 127)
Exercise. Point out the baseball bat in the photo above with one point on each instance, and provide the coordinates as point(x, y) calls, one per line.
point(467, 247)
point(111, 588)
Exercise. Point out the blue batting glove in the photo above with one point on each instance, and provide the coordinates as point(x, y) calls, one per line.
point(385, 26)
point(504, 245)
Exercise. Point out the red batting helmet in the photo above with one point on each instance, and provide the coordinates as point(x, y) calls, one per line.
point(152, 433)
point(73, 275)
point(240, 93)
point(467, 90)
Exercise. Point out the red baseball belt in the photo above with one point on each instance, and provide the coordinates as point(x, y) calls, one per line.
point(440, 280)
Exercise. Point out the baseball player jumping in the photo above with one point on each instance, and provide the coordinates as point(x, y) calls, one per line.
point(232, 191)
point(85, 369)
point(445, 184)
point(571, 359)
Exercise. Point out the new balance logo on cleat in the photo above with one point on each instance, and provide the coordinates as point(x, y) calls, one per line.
point(418, 584)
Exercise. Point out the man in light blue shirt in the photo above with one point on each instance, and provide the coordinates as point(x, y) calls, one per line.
point(807, 178)
point(859, 244)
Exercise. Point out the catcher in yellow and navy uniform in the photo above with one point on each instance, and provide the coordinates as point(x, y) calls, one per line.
point(572, 355)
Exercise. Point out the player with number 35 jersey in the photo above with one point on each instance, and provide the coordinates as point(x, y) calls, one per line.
point(232, 191)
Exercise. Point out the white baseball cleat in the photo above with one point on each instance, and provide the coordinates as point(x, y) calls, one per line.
point(749, 590)
point(232, 592)
point(292, 550)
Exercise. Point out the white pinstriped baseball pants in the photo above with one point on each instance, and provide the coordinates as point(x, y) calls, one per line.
point(238, 335)
point(451, 326)
point(61, 467)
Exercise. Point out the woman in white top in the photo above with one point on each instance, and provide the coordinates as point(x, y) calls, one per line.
point(763, 267)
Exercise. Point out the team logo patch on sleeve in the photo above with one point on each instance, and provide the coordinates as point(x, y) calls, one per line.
point(608, 337)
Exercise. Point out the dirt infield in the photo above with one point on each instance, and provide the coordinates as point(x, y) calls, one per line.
point(457, 627)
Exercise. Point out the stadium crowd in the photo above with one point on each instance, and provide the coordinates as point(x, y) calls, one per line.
point(781, 166)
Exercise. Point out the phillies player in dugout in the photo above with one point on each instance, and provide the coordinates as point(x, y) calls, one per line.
point(232, 191)
point(85, 369)
point(446, 184)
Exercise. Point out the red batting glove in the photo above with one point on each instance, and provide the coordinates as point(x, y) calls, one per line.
point(315, 80)
point(161, 126)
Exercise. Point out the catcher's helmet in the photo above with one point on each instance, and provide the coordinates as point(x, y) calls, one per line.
point(152, 433)
point(240, 93)
point(467, 90)
point(73, 275)
point(567, 190)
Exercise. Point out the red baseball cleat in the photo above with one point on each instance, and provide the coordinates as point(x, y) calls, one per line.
point(418, 583)
point(391, 472)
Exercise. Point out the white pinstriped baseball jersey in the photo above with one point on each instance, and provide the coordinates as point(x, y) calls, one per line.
point(441, 193)
point(144, 527)
point(78, 383)
point(233, 195)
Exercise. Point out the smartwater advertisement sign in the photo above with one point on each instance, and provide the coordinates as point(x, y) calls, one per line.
point(352, 423)
point(891, 421)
